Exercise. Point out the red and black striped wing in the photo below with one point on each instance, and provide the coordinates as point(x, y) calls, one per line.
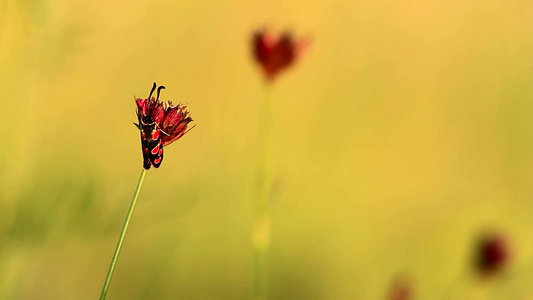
point(146, 160)
point(152, 150)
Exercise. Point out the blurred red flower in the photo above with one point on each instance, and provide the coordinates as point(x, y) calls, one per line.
point(160, 124)
point(492, 254)
point(276, 53)
point(401, 289)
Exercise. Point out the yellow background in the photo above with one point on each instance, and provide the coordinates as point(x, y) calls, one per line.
point(402, 134)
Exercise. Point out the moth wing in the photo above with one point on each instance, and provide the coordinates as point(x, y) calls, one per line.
point(155, 152)
point(146, 161)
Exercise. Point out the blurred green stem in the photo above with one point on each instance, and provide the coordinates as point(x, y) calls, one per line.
point(121, 238)
point(261, 230)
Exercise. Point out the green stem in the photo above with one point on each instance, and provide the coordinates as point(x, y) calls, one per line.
point(261, 231)
point(121, 238)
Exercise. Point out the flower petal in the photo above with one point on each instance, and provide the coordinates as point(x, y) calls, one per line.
point(158, 113)
point(142, 106)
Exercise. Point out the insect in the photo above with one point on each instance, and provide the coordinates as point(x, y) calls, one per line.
point(152, 146)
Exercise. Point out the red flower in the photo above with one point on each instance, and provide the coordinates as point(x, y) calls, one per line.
point(160, 124)
point(401, 289)
point(492, 254)
point(275, 54)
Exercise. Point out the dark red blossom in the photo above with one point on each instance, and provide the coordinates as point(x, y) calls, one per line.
point(492, 254)
point(401, 289)
point(276, 53)
point(160, 124)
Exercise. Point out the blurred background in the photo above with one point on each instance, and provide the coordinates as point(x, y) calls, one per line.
point(402, 135)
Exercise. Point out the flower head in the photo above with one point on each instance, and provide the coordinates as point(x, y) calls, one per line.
point(276, 53)
point(401, 289)
point(492, 254)
point(160, 124)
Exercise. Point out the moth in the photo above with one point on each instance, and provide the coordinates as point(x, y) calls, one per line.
point(152, 147)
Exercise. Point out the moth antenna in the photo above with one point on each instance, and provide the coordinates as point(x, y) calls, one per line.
point(152, 91)
point(159, 91)
point(164, 132)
